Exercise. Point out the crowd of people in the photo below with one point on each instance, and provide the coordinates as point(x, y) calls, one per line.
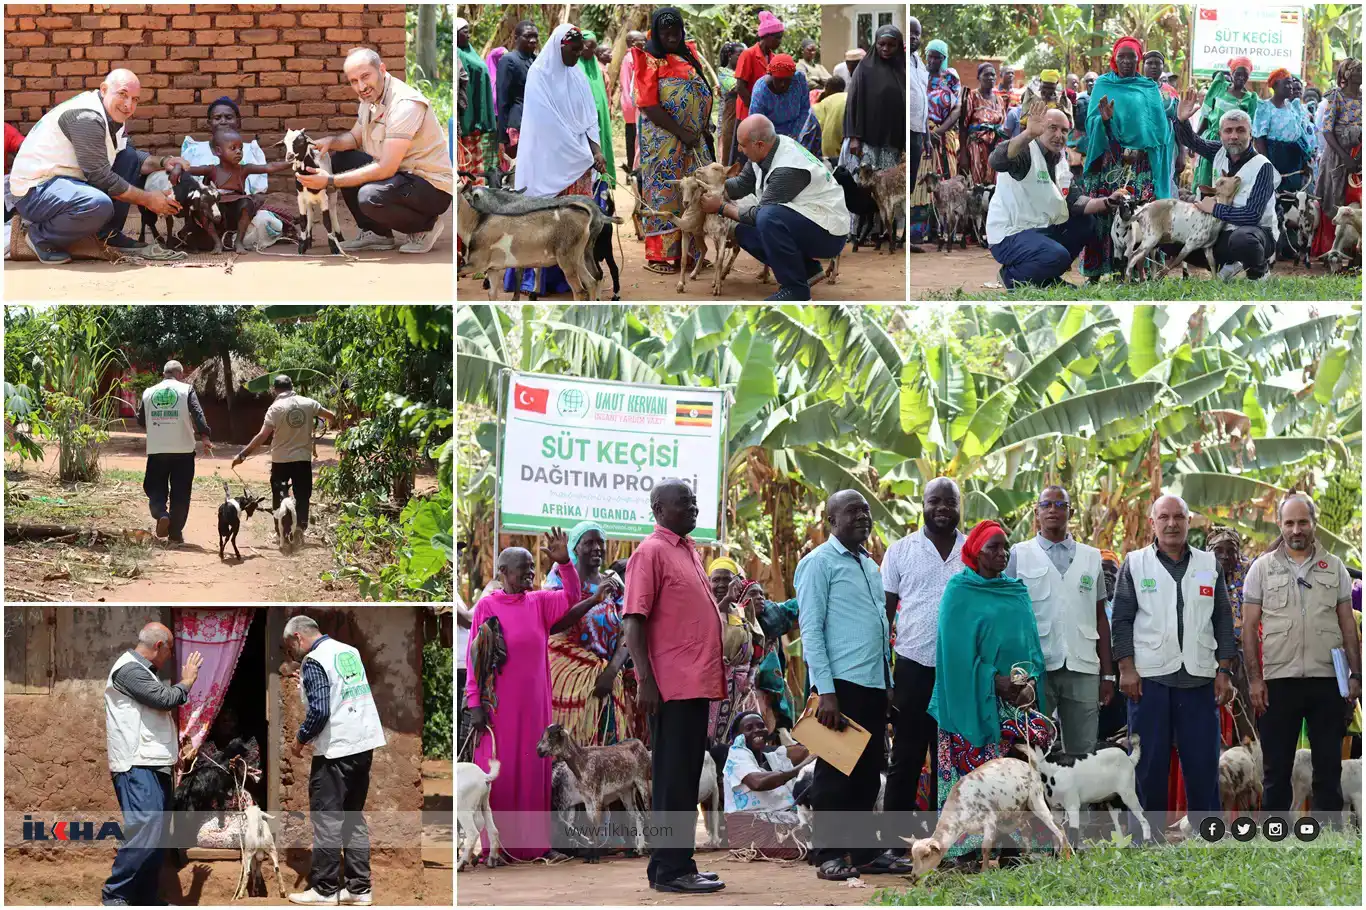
point(960, 644)
point(784, 122)
point(1127, 135)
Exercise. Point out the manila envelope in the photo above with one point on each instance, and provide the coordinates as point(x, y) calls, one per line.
point(840, 748)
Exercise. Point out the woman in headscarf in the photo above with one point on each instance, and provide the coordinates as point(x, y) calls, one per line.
point(477, 151)
point(734, 595)
point(981, 127)
point(1340, 164)
point(1129, 146)
point(782, 97)
point(875, 113)
point(816, 75)
point(1282, 131)
point(1225, 94)
point(1227, 546)
point(592, 696)
point(673, 95)
point(515, 702)
point(728, 93)
point(989, 688)
point(1049, 92)
point(1154, 66)
point(588, 60)
point(753, 65)
point(559, 141)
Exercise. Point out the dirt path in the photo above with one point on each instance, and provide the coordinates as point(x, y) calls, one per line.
point(438, 807)
point(275, 274)
point(864, 276)
point(618, 880)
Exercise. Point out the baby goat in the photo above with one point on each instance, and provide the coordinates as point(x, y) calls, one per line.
point(604, 774)
point(257, 844)
point(302, 154)
point(230, 517)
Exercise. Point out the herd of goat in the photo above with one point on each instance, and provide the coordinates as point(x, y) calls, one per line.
point(502, 229)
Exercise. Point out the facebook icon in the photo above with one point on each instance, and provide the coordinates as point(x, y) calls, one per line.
point(1212, 828)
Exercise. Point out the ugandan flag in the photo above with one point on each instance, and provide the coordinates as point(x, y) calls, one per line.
point(1290, 16)
point(693, 413)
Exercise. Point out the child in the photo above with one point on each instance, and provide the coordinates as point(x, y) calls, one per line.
point(229, 176)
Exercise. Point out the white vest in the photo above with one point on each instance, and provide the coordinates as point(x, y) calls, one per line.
point(1022, 205)
point(47, 153)
point(1064, 605)
point(1156, 651)
point(166, 408)
point(134, 733)
point(1248, 172)
point(353, 725)
point(822, 201)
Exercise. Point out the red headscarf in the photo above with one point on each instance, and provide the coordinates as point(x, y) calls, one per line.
point(781, 65)
point(977, 538)
point(1134, 42)
point(1281, 73)
point(1243, 62)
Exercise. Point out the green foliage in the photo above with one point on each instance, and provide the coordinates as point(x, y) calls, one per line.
point(438, 680)
point(1317, 287)
point(152, 335)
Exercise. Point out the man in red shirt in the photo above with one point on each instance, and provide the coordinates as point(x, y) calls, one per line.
point(673, 633)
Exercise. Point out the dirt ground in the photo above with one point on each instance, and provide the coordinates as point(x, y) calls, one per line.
point(275, 274)
point(193, 571)
point(865, 275)
point(619, 880)
point(438, 844)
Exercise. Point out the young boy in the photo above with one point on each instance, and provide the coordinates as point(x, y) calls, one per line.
point(229, 175)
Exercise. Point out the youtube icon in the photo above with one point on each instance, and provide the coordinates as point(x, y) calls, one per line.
point(527, 398)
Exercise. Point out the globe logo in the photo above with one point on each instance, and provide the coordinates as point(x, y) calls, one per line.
point(165, 398)
point(572, 403)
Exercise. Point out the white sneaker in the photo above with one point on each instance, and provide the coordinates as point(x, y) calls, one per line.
point(1229, 271)
point(355, 900)
point(368, 240)
point(313, 897)
point(423, 241)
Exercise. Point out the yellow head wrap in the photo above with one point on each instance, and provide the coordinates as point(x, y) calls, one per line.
point(1050, 76)
point(724, 562)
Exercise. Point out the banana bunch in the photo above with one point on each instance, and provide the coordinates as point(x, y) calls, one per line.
point(1340, 506)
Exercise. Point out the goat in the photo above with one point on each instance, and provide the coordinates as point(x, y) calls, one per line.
point(858, 199)
point(709, 799)
point(198, 206)
point(888, 188)
point(1073, 780)
point(230, 517)
point(1347, 240)
point(303, 155)
point(950, 208)
point(257, 844)
point(1302, 783)
point(286, 515)
point(1298, 214)
point(1240, 776)
point(472, 813)
point(979, 203)
point(604, 774)
point(1174, 221)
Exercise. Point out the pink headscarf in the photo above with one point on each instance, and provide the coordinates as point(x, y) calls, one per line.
point(769, 24)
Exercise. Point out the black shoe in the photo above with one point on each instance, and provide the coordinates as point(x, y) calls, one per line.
point(47, 253)
point(176, 539)
point(693, 883)
point(790, 294)
point(119, 242)
point(709, 876)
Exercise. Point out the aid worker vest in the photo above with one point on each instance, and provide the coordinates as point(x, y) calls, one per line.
point(48, 153)
point(136, 735)
point(1299, 626)
point(166, 409)
point(353, 724)
point(1022, 205)
point(822, 200)
point(1064, 604)
point(1156, 649)
point(1248, 174)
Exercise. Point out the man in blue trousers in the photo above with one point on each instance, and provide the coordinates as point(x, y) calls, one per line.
point(800, 217)
point(1035, 225)
point(143, 745)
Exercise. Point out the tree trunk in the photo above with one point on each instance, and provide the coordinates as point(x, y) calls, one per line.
point(230, 385)
point(503, 33)
point(426, 40)
point(635, 20)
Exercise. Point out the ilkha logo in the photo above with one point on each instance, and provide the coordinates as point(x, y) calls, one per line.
point(692, 414)
point(69, 831)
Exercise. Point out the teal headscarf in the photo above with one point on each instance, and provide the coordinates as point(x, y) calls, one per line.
point(576, 534)
point(593, 71)
point(941, 47)
point(1140, 122)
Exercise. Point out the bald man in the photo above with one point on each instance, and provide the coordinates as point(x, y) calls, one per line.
point(393, 167)
point(77, 173)
point(800, 217)
point(142, 745)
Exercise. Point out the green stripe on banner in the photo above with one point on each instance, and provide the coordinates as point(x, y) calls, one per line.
point(621, 530)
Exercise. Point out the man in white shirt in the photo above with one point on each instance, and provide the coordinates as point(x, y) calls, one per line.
point(289, 420)
point(914, 573)
point(1067, 590)
point(920, 106)
point(172, 416)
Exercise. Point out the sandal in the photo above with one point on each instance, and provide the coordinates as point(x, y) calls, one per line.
point(887, 864)
point(662, 268)
point(836, 870)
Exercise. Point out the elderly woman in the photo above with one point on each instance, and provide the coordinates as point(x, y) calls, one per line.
point(1226, 93)
point(782, 97)
point(1339, 181)
point(739, 601)
point(1049, 93)
point(592, 695)
point(875, 114)
point(989, 687)
point(940, 152)
point(478, 146)
point(981, 127)
point(514, 703)
point(1129, 147)
point(1227, 546)
point(816, 75)
point(676, 102)
point(1282, 131)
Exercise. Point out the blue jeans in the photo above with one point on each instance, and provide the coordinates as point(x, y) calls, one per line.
point(64, 210)
point(789, 243)
point(145, 798)
point(173, 473)
point(1187, 718)
point(1043, 255)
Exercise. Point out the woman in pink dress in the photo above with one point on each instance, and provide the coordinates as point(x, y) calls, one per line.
point(517, 710)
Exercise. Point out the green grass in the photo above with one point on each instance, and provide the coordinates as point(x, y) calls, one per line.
point(1188, 874)
point(201, 481)
point(1319, 287)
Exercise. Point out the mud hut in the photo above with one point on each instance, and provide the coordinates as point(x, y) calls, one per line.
point(56, 662)
point(233, 413)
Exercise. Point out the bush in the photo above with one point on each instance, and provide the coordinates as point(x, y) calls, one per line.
point(437, 684)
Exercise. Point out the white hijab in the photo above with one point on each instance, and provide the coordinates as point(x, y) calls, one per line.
point(558, 117)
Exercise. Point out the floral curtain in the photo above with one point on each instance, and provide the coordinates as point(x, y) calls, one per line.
point(218, 635)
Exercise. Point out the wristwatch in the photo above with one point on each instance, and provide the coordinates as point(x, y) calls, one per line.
point(1226, 671)
point(1109, 678)
point(331, 181)
point(1356, 676)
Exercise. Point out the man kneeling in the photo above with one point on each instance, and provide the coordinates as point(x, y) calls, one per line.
point(1035, 228)
point(800, 217)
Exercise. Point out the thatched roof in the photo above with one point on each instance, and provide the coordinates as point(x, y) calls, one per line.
point(210, 383)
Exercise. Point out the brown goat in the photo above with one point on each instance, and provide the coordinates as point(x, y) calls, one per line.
point(604, 774)
point(560, 236)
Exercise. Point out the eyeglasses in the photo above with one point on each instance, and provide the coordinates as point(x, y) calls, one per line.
point(1053, 504)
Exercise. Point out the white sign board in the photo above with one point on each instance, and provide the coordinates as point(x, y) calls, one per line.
point(583, 449)
point(1271, 36)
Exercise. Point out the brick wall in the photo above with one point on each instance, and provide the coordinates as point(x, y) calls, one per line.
point(281, 64)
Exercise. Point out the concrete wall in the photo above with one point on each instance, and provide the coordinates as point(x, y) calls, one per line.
point(837, 28)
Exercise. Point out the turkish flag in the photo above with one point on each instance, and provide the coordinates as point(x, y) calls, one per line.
point(1207, 590)
point(526, 398)
point(1209, 15)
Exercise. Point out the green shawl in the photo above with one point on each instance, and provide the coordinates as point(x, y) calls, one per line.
point(986, 627)
point(599, 87)
point(1140, 122)
point(478, 116)
point(1219, 101)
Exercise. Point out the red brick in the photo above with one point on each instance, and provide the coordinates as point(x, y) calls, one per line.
point(153, 110)
point(29, 99)
point(304, 64)
point(48, 53)
point(189, 53)
point(347, 35)
point(386, 35)
point(122, 8)
point(261, 66)
point(321, 20)
point(317, 79)
point(114, 52)
point(311, 93)
point(218, 66)
point(27, 39)
point(46, 84)
point(276, 110)
point(260, 123)
point(191, 22)
point(215, 8)
point(301, 34)
point(233, 53)
point(176, 9)
point(277, 20)
point(352, 20)
point(184, 110)
point(36, 69)
point(175, 96)
point(154, 80)
point(350, 107)
point(317, 107)
point(340, 123)
point(399, 19)
point(194, 80)
point(25, 9)
point(173, 125)
point(14, 85)
point(258, 36)
point(216, 36)
point(23, 24)
point(13, 115)
point(148, 52)
point(370, 20)
point(317, 50)
point(76, 68)
point(279, 79)
point(275, 50)
point(393, 55)
point(57, 22)
point(171, 36)
point(123, 36)
point(240, 80)
point(71, 8)
point(59, 97)
point(146, 21)
point(139, 66)
point(175, 66)
point(76, 53)
point(255, 7)
point(340, 93)
point(234, 21)
point(261, 94)
point(155, 141)
point(306, 123)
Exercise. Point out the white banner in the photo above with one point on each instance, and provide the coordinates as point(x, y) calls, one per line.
point(1271, 36)
point(584, 449)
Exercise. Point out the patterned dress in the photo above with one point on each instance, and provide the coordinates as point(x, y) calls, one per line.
point(1339, 183)
point(984, 123)
point(1118, 167)
point(940, 154)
